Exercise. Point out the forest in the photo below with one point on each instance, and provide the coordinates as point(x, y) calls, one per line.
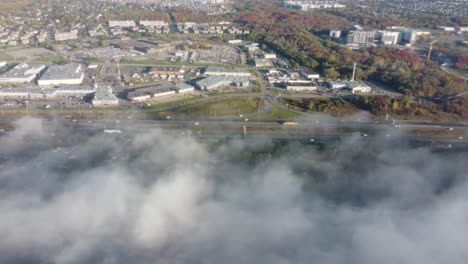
point(293, 35)
point(381, 105)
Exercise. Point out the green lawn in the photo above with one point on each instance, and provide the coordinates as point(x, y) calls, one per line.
point(172, 103)
point(217, 107)
point(5, 57)
point(276, 113)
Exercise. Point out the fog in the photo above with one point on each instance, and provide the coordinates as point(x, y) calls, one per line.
point(153, 197)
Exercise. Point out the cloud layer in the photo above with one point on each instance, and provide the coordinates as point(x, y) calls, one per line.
point(156, 198)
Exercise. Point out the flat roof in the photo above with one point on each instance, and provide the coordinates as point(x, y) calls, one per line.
point(23, 70)
point(63, 72)
point(224, 70)
point(212, 80)
point(104, 94)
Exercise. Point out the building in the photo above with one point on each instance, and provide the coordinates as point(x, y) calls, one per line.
point(62, 74)
point(309, 75)
point(38, 93)
point(122, 23)
point(388, 37)
point(262, 63)
point(153, 23)
point(2, 64)
point(167, 71)
point(251, 47)
point(408, 36)
point(104, 96)
point(220, 71)
point(184, 88)
point(235, 41)
point(447, 29)
point(22, 73)
point(308, 5)
point(143, 93)
point(269, 56)
point(74, 90)
point(214, 82)
point(359, 87)
point(63, 36)
point(301, 86)
point(336, 85)
point(335, 33)
point(361, 37)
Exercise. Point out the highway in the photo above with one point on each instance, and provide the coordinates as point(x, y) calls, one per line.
point(308, 130)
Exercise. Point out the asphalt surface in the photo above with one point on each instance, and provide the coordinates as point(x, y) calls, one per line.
point(440, 134)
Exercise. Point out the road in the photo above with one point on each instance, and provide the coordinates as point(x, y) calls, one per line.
point(316, 130)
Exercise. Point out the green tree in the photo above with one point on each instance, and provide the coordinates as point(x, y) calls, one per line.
point(331, 73)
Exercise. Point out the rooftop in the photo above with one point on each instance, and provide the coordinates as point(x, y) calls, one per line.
point(23, 70)
point(220, 70)
point(63, 72)
point(213, 80)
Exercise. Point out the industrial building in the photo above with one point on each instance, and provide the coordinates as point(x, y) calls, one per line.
point(214, 82)
point(184, 88)
point(353, 86)
point(146, 92)
point(37, 92)
point(361, 37)
point(22, 73)
point(336, 85)
point(301, 86)
point(309, 75)
point(104, 96)
point(219, 71)
point(62, 74)
point(359, 87)
point(150, 91)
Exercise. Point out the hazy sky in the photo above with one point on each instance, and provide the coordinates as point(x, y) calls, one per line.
point(164, 199)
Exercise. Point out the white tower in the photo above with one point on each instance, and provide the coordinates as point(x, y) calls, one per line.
point(354, 72)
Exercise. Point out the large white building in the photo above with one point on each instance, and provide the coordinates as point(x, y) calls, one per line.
point(36, 92)
point(388, 37)
point(361, 37)
point(214, 82)
point(219, 71)
point(62, 74)
point(22, 73)
point(307, 5)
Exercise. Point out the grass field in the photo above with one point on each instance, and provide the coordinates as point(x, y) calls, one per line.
point(4, 56)
point(12, 6)
point(275, 113)
point(172, 103)
point(217, 107)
